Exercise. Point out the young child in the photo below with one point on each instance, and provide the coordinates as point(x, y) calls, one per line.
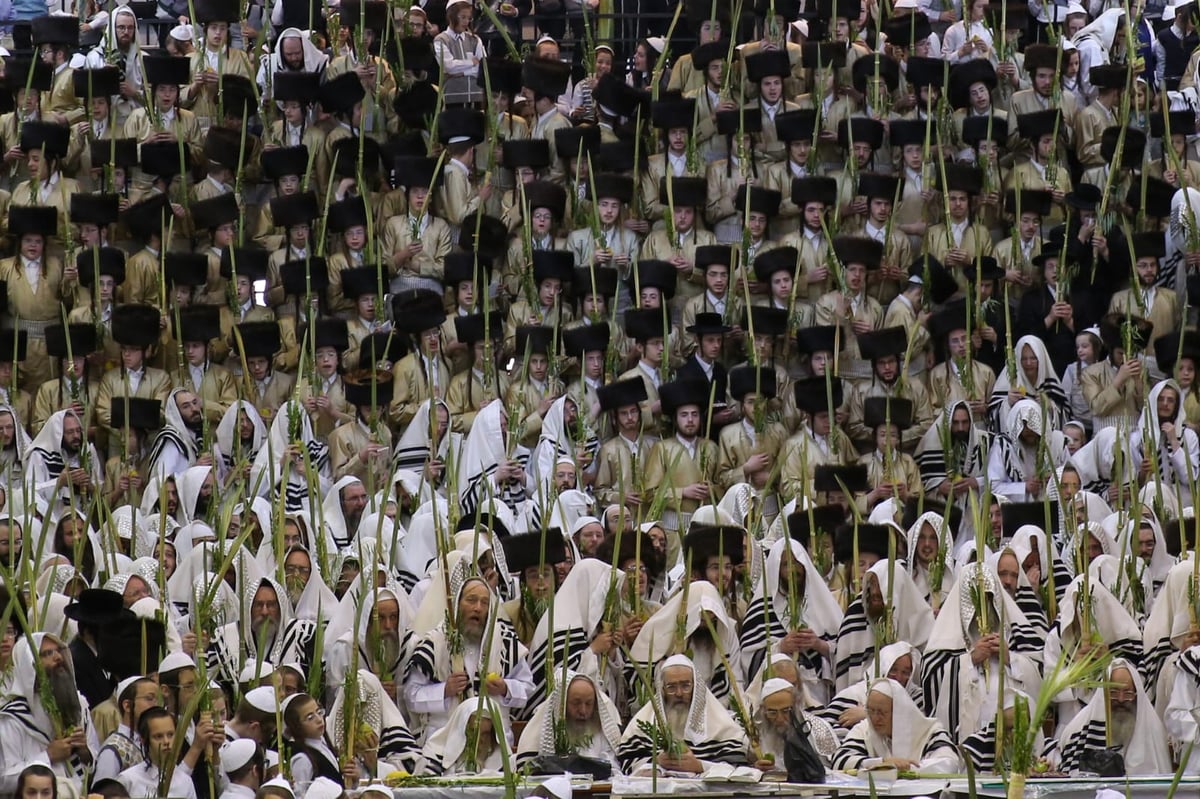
point(1088, 350)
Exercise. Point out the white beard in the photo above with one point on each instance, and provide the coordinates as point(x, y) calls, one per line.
point(1122, 727)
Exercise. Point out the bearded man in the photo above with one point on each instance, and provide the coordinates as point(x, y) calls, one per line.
point(1134, 730)
point(383, 631)
point(61, 463)
point(493, 660)
point(267, 631)
point(779, 715)
point(954, 472)
point(702, 730)
point(14, 443)
point(27, 731)
point(178, 445)
point(343, 507)
point(120, 48)
point(469, 743)
point(584, 713)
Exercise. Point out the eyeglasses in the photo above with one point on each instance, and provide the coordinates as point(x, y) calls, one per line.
point(776, 713)
point(297, 571)
point(677, 687)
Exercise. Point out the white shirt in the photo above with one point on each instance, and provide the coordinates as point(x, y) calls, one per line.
point(135, 378)
point(689, 446)
point(877, 233)
point(48, 187)
point(33, 272)
point(706, 366)
point(650, 372)
point(678, 163)
point(716, 303)
point(958, 229)
point(197, 375)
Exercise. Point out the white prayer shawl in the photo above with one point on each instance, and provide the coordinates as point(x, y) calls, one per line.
point(337, 534)
point(1046, 383)
point(765, 625)
point(482, 455)
point(445, 748)
point(412, 449)
point(538, 736)
point(350, 624)
point(1007, 469)
point(1185, 214)
point(915, 737)
point(657, 637)
point(1147, 441)
point(499, 652)
point(235, 642)
point(931, 460)
point(190, 483)
point(1169, 621)
point(230, 449)
point(1110, 623)
point(711, 733)
point(1095, 42)
point(46, 460)
point(912, 621)
point(1096, 461)
point(920, 573)
point(175, 447)
point(578, 609)
point(267, 476)
point(314, 61)
point(1152, 575)
point(856, 695)
point(1147, 752)
point(25, 727)
point(962, 695)
point(397, 747)
point(462, 560)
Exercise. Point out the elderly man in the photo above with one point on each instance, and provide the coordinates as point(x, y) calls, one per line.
point(584, 714)
point(382, 633)
point(267, 632)
point(61, 463)
point(779, 716)
point(1123, 717)
point(700, 731)
point(29, 731)
point(952, 458)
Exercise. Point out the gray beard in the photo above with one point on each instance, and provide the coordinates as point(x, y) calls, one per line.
point(579, 730)
point(1123, 723)
point(389, 645)
point(677, 718)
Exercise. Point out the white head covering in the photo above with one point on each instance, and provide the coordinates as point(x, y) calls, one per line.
point(229, 431)
point(314, 59)
point(911, 729)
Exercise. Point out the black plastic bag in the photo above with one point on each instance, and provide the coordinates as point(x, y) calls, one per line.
point(800, 756)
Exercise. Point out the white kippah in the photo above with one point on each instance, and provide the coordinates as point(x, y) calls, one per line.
point(182, 33)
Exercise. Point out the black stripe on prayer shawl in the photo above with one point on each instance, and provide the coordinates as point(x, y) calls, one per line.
point(640, 747)
point(398, 742)
point(934, 663)
point(423, 658)
point(979, 748)
point(1029, 602)
point(169, 435)
point(850, 753)
point(718, 683)
point(1091, 736)
point(568, 645)
point(834, 709)
point(756, 636)
point(18, 708)
point(855, 621)
point(1154, 661)
point(853, 748)
point(53, 460)
point(1189, 663)
point(1051, 388)
point(511, 493)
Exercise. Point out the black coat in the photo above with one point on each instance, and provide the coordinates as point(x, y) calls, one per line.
point(1058, 338)
point(96, 684)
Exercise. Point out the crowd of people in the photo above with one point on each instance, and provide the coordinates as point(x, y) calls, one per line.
point(385, 395)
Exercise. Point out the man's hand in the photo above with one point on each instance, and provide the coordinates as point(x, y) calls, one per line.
point(851, 716)
point(205, 460)
point(59, 750)
point(756, 463)
point(496, 686)
point(985, 648)
point(1033, 485)
point(456, 683)
point(685, 762)
point(1130, 370)
point(602, 644)
point(696, 491)
point(510, 470)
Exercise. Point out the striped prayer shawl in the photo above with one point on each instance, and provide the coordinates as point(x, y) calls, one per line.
point(19, 709)
point(854, 749)
point(761, 628)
